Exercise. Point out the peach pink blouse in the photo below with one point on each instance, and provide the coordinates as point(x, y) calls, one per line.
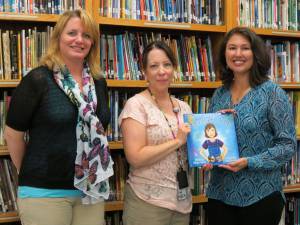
point(156, 184)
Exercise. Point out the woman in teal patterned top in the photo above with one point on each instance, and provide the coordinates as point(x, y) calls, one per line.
point(249, 190)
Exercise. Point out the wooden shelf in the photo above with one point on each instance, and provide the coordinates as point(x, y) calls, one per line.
point(9, 217)
point(9, 83)
point(113, 206)
point(290, 85)
point(3, 150)
point(279, 33)
point(28, 17)
point(199, 199)
point(143, 84)
point(292, 188)
point(116, 145)
point(161, 25)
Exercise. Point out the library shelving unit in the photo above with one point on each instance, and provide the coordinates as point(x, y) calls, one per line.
point(230, 12)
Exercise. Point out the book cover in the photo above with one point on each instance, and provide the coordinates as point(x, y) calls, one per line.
point(212, 139)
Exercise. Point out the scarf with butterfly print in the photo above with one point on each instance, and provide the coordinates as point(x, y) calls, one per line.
point(93, 164)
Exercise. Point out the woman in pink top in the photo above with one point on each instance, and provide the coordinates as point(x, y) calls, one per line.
point(157, 190)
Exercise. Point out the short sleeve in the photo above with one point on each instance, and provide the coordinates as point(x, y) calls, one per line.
point(26, 98)
point(133, 109)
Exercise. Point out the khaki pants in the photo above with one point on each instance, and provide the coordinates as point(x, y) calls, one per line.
point(59, 211)
point(138, 212)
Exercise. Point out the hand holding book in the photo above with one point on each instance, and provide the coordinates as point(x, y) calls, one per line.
point(236, 165)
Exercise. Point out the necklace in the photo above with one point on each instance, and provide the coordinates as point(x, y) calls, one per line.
point(176, 110)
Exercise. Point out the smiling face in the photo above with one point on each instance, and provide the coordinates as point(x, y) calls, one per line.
point(159, 70)
point(239, 55)
point(75, 42)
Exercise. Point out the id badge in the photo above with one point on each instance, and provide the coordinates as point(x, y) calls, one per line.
point(183, 190)
point(182, 179)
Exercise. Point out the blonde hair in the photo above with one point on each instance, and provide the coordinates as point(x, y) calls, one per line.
point(53, 54)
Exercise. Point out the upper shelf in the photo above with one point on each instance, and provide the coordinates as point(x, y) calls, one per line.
point(29, 17)
point(143, 84)
point(160, 25)
point(279, 33)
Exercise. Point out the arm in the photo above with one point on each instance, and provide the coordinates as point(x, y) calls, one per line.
point(284, 141)
point(283, 147)
point(16, 145)
point(202, 153)
point(23, 105)
point(224, 152)
point(138, 153)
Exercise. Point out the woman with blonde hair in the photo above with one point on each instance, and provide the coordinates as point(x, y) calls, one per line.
point(63, 106)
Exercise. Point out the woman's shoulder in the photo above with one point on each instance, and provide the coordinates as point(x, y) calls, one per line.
point(270, 87)
point(220, 92)
point(184, 106)
point(37, 76)
point(40, 71)
point(137, 99)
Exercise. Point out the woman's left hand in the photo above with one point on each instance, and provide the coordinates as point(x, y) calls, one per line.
point(236, 165)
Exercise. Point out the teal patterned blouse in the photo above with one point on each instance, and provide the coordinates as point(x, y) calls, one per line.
point(266, 137)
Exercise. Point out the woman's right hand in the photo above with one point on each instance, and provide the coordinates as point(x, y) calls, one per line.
point(183, 130)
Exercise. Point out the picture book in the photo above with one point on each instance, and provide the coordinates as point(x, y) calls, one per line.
point(212, 139)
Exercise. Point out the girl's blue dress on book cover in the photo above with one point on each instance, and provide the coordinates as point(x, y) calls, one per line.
point(212, 139)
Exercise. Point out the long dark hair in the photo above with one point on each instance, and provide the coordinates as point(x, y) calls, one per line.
point(261, 58)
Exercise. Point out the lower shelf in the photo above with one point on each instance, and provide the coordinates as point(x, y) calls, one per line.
point(292, 188)
point(9, 217)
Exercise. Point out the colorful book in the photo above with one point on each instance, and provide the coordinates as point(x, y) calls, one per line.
point(212, 139)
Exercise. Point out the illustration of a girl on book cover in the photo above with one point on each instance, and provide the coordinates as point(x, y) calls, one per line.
point(213, 149)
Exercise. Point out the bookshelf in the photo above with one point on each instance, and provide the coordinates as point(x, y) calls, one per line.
point(293, 188)
point(216, 32)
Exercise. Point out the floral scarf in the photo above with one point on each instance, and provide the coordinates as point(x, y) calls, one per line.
point(93, 164)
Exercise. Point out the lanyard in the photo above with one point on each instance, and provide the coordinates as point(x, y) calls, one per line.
point(176, 112)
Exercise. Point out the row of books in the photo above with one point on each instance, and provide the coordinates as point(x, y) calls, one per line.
point(4, 103)
point(197, 216)
point(294, 97)
point(8, 186)
point(113, 218)
point(275, 14)
point(121, 55)
point(118, 180)
point(40, 6)
point(188, 11)
point(20, 51)
point(291, 213)
point(291, 170)
point(285, 59)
